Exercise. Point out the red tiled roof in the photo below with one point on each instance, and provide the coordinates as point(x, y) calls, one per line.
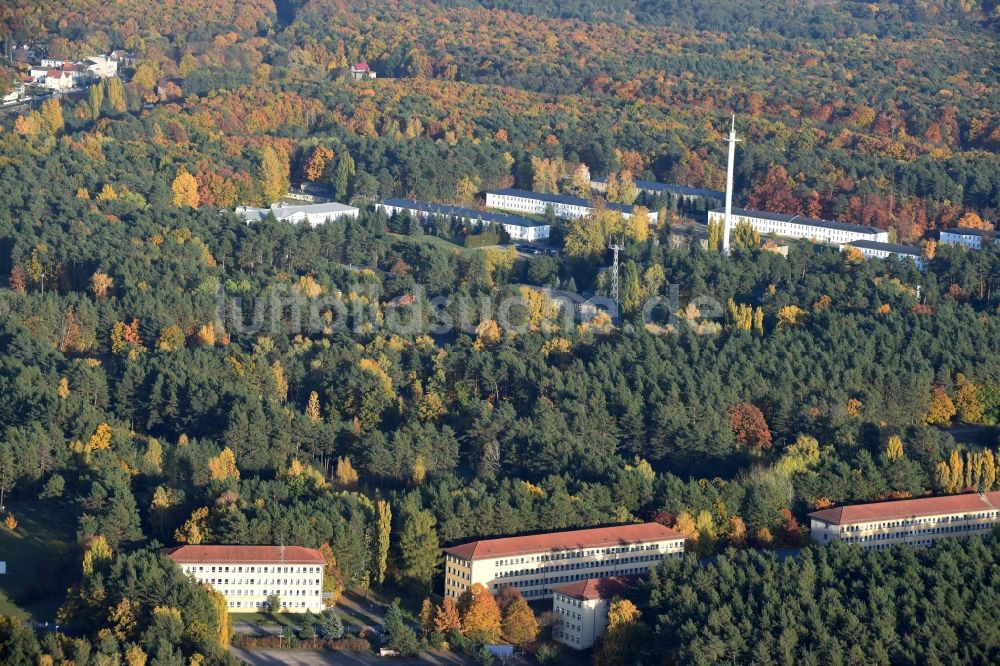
point(597, 537)
point(909, 508)
point(254, 554)
point(361, 66)
point(596, 588)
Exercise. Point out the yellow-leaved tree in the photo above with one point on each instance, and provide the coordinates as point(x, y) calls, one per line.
point(223, 466)
point(480, 614)
point(185, 188)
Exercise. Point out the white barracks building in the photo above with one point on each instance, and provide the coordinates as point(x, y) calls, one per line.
point(970, 238)
point(247, 575)
point(537, 563)
point(563, 205)
point(917, 522)
point(800, 226)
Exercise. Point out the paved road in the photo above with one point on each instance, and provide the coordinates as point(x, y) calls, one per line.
point(270, 657)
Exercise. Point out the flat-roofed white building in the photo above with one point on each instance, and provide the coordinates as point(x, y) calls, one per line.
point(580, 609)
point(563, 205)
point(247, 575)
point(877, 250)
point(970, 238)
point(800, 226)
point(519, 228)
point(917, 522)
point(535, 564)
point(312, 214)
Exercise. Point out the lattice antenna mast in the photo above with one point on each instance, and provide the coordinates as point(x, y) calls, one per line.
point(615, 248)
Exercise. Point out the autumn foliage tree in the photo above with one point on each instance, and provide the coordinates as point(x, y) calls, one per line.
point(481, 618)
point(446, 617)
point(319, 161)
point(518, 624)
point(185, 189)
point(942, 408)
point(750, 427)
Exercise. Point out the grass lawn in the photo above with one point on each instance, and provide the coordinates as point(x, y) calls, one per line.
point(32, 551)
point(436, 240)
point(267, 618)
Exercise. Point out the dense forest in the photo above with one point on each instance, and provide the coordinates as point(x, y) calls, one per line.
point(144, 408)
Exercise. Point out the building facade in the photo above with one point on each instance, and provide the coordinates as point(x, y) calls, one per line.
point(580, 610)
point(877, 250)
point(970, 238)
point(518, 228)
point(562, 205)
point(247, 575)
point(313, 214)
point(535, 564)
point(917, 522)
point(800, 226)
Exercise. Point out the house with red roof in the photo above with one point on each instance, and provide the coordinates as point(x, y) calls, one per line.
point(916, 522)
point(580, 609)
point(248, 575)
point(361, 70)
point(535, 564)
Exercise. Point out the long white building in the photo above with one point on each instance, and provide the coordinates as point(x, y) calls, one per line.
point(312, 214)
point(563, 205)
point(519, 228)
point(580, 609)
point(247, 575)
point(970, 238)
point(800, 226)
point(535, 564)
point(917, 522)
point(877, 250)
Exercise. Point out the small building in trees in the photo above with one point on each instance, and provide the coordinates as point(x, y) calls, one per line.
point(580, 609)
point(361, 71)
point(313, 214)
point(562, 205)
point(800, 226)
point(964, 236)
point(536, 564)
point(877, 250)
point(248, 575)
point(917, 522)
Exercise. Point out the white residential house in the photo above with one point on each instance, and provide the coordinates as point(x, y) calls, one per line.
point(312, 214)
point(361, 70)
point(580, 609)
point(60, 80)
point(14, 94)
point(537, 564)
point(916, 522)
point(878, 250)
point(54, 63)
point(800, 226)
point(964, 236)
point(562, 205)
point(518, 228)
point(247, 575)
point(101, 67)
